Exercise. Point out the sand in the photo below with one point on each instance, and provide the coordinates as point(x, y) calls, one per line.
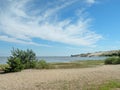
point(58, 79)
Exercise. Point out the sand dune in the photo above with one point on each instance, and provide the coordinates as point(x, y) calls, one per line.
point(56, 79)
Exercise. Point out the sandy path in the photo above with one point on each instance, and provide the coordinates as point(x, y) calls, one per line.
point(48, 79)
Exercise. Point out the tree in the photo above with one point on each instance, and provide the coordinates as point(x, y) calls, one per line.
point(118, 54)
point(15, 65)
point(21, 59)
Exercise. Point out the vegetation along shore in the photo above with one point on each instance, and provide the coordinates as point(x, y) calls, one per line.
point(75, 75)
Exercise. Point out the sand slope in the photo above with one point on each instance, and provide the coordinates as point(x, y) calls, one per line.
point(56, 79)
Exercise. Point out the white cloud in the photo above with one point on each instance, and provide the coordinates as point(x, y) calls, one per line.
point(13, 40)
point(18, 26)
point(91, 1)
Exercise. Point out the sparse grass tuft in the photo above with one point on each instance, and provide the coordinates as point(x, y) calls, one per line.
point(110, 85)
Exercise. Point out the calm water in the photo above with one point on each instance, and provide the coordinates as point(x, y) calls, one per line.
point(3, 60)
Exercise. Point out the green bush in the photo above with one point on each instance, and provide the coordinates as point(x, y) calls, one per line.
point(116, 61)
point(28, 57)
point(42, 64)
point(29, 65)
point(15, 65)
point(109, 60)
point(112, 60)
point(21, 59)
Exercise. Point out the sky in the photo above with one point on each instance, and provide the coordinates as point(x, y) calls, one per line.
point(59, 27)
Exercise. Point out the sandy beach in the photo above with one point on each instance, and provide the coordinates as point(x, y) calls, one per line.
point(59, 79)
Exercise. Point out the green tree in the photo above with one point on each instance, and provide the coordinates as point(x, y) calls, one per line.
point(27, 58)
point(15, 65)
point(118, 54)
point(21, 59)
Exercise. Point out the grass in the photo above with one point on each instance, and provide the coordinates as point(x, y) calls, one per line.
point(110, 85)
point(73, 64)
point(78, 64)
point(75, 85)
point(3, 66)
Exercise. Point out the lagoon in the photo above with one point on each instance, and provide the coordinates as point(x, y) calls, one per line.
point(51, 59)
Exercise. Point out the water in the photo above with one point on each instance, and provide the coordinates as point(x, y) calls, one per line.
point(3, 60)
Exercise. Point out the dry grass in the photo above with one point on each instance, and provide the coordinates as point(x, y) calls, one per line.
point(78, 64)
point(3, 66)
point(59, 79)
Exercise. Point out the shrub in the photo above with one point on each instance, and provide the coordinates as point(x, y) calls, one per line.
point(15, 65)
point(116, 61)
point(112, 60)
point(21, 59)
point(29, 65)
point(118, 53)
point(42, 64)
point(28, 57)
point(109, 60)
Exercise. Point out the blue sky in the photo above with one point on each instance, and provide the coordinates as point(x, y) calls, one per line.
point(59, 27)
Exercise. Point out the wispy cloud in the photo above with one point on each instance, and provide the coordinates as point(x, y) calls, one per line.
point(14, 40)
point(20, 23)
point(91, 1)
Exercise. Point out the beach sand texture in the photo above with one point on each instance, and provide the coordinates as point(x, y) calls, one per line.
point(59, 79)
